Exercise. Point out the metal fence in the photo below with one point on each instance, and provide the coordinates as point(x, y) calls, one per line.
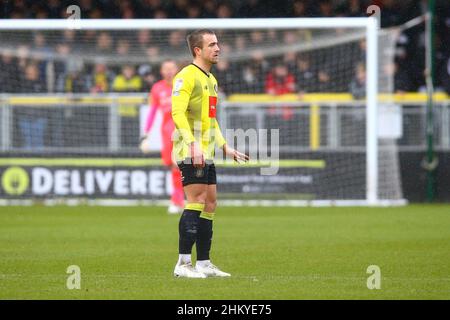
point(111, 124)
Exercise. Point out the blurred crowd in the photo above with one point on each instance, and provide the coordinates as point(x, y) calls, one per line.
point(24, 73)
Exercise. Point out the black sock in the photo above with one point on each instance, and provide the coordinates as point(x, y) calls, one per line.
point(204, 238)
point(188, 230)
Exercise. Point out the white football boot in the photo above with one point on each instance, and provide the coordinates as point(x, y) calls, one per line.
point(173, 209)
point(187, 270)
point(211, 270)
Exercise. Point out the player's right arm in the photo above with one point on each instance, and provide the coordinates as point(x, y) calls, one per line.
point(183, 85)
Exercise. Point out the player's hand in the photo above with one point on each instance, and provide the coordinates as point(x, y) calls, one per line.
point(144, 145)
point(197, 156)
point(236, 155)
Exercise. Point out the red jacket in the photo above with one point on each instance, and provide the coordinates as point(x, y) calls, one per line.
point(277, 88)
point(274, 87)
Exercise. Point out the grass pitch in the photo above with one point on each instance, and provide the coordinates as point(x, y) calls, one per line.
point(272, 253)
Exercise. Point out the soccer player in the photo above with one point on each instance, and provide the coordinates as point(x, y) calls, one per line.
point(194, 102)
point(161, 99)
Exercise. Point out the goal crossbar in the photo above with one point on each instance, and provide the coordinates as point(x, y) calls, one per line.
point(175, 24)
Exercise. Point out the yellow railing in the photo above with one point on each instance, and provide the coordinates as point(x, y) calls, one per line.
point(142, 98)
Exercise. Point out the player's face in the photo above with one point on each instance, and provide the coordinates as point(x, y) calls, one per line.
point(210, 51)
point(168, 70)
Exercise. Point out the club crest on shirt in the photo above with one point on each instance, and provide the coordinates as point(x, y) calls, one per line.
point(199, 173)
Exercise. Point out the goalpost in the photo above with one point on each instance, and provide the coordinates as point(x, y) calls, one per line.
point(347, 31)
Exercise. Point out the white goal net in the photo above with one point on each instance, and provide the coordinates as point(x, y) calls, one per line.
point(307, 89)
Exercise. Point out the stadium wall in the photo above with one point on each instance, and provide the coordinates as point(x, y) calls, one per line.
point(414, 176)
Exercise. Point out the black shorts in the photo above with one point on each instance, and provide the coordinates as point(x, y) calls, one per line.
point(191, 175)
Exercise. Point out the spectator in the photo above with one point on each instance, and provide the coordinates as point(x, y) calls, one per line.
point(101, 78)
point(300, 9)
point(390, 13)
point(104, 44)
point(86, 39)
point(143, 40)
point(326, 8)
point(53, 8)
point(325, 84)
point(289, 59)
point(149, 78)
point(402, 81)
point(358, 85)
point(149, 8)
point(178, 9)
point(96, 14)
point(23, 56)
point(160, 14)
point(280, 81)
point(127, 9)
point(351, 8)
point(176, 42)
point(209, 9)
point(63, 50)
point(152, 53)
point(20, 6)
point(123, 48)
point(18, 15)
point(444, 76)
point(305, 75)
point(194, 11)
point(10, 74)
point(252, 8)
point(32, 121)
point(58, 115)
point(70, 38)
point(240, 43)
point(128, 81)
point(290, 38)
point(73, 80)
point(252, 74)
point(40, 13)
point(226, 77)
point(86, 7)
point(42, 53)
point(444, 26)
point(257, 38)
point(224, 11)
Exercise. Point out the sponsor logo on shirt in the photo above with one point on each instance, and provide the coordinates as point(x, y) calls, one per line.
point(176, 88)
